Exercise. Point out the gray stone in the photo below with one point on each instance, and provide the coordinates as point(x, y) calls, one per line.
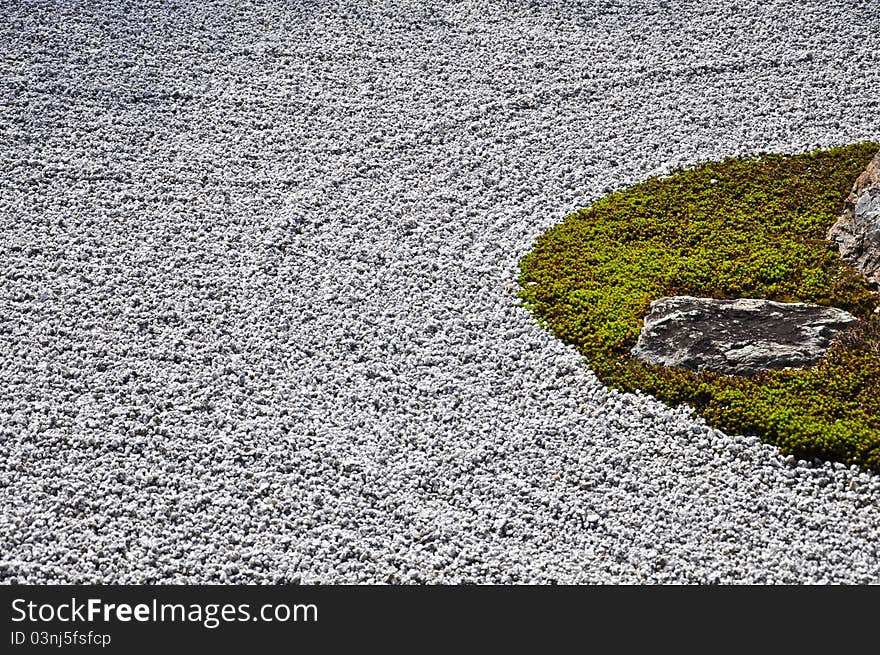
point(857, 231)
point(737, 337)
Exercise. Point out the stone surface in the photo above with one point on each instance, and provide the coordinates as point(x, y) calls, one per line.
point(857, 231)
point(737, 337)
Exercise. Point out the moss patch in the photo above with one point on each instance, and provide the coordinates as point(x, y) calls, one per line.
point(741, 228)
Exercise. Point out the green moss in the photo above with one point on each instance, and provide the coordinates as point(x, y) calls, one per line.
point(741, 228)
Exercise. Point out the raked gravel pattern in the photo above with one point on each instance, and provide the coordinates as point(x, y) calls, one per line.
point(259, 317)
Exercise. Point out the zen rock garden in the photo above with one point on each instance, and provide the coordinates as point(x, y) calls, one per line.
point(746, 336)
point(456, 292)
point(745, 288)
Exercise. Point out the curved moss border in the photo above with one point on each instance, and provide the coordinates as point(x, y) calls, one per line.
point(740, 228)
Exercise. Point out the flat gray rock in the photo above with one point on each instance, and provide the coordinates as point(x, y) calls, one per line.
point(737, 337)
point(857, 231)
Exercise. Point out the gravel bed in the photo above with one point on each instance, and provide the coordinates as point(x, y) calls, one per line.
point(259, 317)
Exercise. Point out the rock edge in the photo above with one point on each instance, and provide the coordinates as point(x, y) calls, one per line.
point(857, 231)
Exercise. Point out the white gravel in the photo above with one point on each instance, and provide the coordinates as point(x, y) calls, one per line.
point(259, 320)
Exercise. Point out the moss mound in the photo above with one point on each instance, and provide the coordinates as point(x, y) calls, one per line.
point(741, 228)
